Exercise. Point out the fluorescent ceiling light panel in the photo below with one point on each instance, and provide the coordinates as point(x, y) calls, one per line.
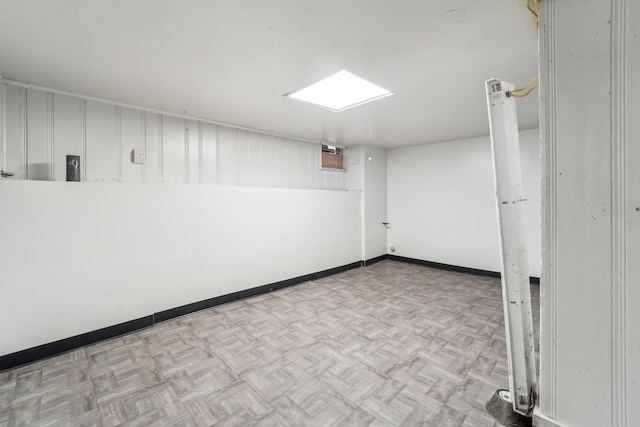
point(340, 92)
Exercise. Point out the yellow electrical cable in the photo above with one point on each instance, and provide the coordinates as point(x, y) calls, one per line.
point(522, 95)
point(525, 87)
point(520, 89)
point(534, 9)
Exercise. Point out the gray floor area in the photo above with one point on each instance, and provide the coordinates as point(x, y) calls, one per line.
point(385, 345)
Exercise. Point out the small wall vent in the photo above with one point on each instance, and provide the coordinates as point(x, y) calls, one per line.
point(332, 157)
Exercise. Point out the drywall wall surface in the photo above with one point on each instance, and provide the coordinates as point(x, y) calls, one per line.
point(375, 201)
point(354, 164)
point(442, 207)
point(77, 257)
point(43, 127)
point(367, 173)
point(590, 350)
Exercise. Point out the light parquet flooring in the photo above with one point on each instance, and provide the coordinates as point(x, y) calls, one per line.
point(386, 345)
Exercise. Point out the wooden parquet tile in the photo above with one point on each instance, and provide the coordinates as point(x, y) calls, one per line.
point(391, 344)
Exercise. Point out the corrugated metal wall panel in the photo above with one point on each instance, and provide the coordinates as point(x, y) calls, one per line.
point(42, 128)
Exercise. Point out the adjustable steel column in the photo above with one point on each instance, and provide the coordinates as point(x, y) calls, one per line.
point(516, 292)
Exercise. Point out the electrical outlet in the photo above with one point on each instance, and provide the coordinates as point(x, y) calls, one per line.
point(138, 156)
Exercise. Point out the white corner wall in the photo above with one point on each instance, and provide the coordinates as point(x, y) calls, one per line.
point(129, 241)
point(367, 173)
point(77, 257)
point(441, 202)
point(375, 202)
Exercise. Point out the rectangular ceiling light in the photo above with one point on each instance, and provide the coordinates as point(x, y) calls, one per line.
point(340, 92)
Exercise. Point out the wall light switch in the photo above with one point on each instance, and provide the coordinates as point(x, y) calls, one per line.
point(138, 156)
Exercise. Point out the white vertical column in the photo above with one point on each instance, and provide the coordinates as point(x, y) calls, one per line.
point(375, 201)
point(589, 63)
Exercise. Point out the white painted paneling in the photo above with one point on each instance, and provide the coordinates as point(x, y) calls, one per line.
point(221, 240)
point(38, 142)
point(209, 158)
point(194, 152)
point(441, 201)
point(68, 134)
point(178, 150)
point(104, 147)
point(132, 139)
point(270, 174)
point(15, 130)
point(303, 172)
point(296, 154)
point(355, 168)
point(227, 160)
point(254, 159)
point(173, 150)
point(310, 165)
point(336, 180)
point(153, 147)
point(285, 169)
point(242, 157)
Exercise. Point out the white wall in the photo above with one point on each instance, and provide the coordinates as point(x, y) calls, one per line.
point(355, 169)
point(43, 127)
point(127, 241)
point(441, 202)
point(375, 201)
point(590, 298)
point(76, 257)
point(367, 173)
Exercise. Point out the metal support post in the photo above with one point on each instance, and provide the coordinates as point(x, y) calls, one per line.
point(516, 294)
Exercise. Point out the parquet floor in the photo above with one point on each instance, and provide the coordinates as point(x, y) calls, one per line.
point(386, 345)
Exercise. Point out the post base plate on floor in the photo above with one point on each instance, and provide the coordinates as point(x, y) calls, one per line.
point(501, 408)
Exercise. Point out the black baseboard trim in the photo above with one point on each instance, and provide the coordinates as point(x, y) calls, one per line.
point(456, 268)
point(55, 348)
point(65, 345)
point(246, 293)
point(374, 260)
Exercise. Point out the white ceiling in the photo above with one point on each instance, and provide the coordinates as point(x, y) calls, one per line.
point(233, 60)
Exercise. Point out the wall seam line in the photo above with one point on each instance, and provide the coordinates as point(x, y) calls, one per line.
point(618, 214)
point(143, 131)
point(119, 159)
point(3, 95)
point(161, 147)
point(217, 154)
point(200, 155)
point(83, 137)
point(24, 129)
point(50, 132)
point(187, 159)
